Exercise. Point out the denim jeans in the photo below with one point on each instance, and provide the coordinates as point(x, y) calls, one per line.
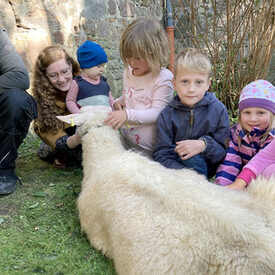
point(197, 163)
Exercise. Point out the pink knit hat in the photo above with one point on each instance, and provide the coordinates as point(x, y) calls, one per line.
point(258, 94)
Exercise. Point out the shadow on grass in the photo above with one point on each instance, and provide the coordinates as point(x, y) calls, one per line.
point(39, 226)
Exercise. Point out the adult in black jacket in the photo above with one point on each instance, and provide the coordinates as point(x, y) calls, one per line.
point(17, 109)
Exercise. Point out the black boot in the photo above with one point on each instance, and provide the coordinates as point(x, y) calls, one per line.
point(7, 184)
point(17, 110)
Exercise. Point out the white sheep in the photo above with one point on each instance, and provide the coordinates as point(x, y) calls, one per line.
point(154, 220)
point(262, 193)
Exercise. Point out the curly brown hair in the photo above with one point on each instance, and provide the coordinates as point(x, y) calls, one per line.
point(43, 91)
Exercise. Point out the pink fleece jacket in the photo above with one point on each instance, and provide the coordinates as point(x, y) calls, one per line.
point(145, 97)
point(259, 163)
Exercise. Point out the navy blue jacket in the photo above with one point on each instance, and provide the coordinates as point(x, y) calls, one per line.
point(207, 120)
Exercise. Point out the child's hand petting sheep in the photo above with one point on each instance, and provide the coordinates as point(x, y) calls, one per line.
point(119, 105)
point(74, 140)
point(238, 184)
point(116, 119)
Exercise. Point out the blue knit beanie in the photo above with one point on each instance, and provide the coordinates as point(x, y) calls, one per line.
point(90, 54)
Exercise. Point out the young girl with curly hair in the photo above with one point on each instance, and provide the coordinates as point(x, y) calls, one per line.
point(52, 77)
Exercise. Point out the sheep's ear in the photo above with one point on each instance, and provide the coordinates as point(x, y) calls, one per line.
point(86, 113)
point(74, 119)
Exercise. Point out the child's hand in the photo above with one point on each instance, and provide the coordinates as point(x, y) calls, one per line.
point(74, 140)
point(119, 105)
point(116, 119)
point(189, 148)
point(238, 184)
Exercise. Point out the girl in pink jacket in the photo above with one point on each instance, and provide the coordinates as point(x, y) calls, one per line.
point(249, 137)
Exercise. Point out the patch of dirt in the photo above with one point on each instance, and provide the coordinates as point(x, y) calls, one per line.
point(5, 210)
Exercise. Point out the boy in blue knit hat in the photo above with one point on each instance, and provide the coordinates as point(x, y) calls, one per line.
point(90, 87)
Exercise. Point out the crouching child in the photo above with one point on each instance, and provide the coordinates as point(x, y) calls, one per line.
point(193, 129)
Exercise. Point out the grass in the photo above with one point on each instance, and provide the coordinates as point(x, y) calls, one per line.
point(39, 226)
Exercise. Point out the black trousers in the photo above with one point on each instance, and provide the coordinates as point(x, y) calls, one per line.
point(17, 110)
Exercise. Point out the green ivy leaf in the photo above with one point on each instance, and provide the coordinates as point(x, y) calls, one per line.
point(40, 194)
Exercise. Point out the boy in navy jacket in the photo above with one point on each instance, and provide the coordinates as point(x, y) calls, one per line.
point(193, 129)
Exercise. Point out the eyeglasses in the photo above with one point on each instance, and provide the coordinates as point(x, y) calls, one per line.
point(65, 72)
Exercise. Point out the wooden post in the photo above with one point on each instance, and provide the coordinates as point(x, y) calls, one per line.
point(170, 32)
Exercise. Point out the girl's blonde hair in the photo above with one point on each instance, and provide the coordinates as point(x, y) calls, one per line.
point(194, 61)
point(147, 40)
point(265, 135)
point(43, 91)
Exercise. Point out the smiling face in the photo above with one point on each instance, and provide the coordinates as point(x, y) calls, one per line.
point(255, 117)
point(190, 86)
point(139, 66)
point(60, 74)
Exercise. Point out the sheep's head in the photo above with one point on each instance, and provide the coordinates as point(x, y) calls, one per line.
point(88, 117)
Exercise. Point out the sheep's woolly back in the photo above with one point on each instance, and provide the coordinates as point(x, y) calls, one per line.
point(154, 220)
point(262, 192)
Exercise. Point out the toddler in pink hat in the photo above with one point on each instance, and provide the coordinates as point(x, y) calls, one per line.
point(253, 132)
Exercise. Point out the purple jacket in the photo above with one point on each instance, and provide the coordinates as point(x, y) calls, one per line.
point(238, 156)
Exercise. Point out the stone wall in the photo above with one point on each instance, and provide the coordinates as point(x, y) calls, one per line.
point(35, 24)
